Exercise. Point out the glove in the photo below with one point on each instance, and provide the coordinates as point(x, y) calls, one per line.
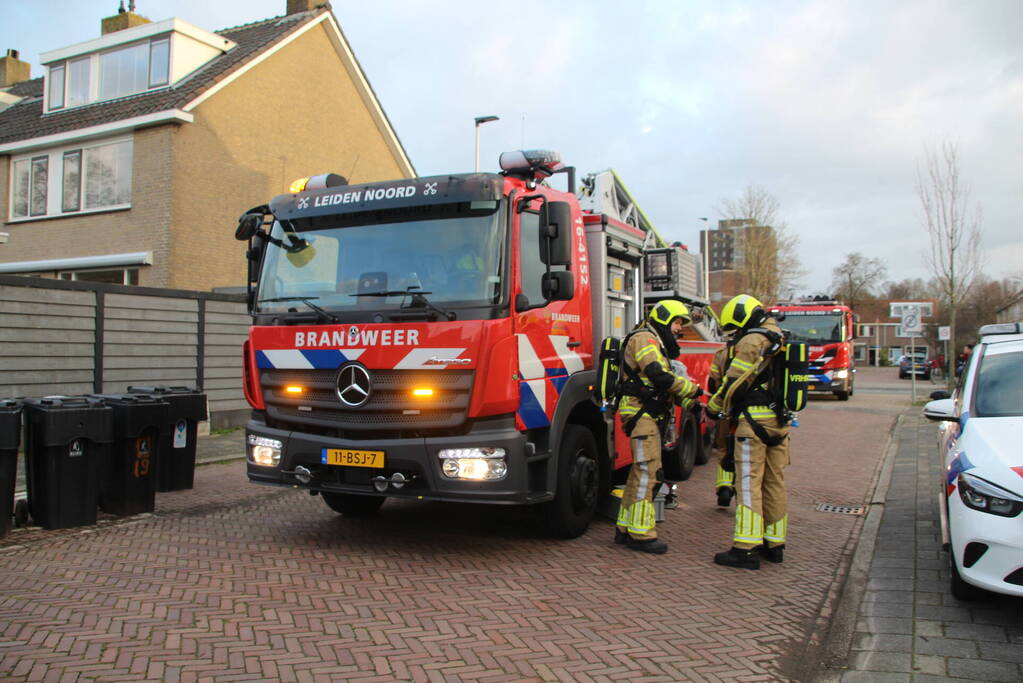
point(699, 392)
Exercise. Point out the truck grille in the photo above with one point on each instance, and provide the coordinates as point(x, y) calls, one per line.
point(391, 405)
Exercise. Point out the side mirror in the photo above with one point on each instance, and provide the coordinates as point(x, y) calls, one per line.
point(558, 286)
point(250, 223)
point(255, 254)
point(940, 394)
point(941, 410)
point(556, 231)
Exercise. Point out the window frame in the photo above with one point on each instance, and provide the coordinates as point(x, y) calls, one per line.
point(55, 157)
point(93, 73)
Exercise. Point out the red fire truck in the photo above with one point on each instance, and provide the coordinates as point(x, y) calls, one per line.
point(827, 326)
point(433, 338)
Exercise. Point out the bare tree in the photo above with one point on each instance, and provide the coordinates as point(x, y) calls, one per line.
point(766, 252)
point(855, 279)
point(954, 257)
point(909, 290)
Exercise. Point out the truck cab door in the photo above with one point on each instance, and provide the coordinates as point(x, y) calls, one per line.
point(552, 336)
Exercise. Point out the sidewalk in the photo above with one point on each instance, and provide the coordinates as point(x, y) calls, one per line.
point(897, 619)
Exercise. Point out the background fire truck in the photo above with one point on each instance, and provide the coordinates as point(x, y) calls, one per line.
point(828, 327)
point(433, 338)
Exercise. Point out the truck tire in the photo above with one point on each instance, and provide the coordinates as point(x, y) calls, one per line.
point(578, 485)
point(352, 505)
point(678, 463)
point(703, 453)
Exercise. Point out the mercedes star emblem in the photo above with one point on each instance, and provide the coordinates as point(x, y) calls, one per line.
point(353, 385)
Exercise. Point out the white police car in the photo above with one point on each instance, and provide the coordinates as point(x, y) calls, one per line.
point(981, 438)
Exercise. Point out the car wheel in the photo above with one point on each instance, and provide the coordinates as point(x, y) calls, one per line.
point(902, 375)
point(678, 463)
point(842, 395)
point(961, 590)
point(578, 485)
point(353, 505)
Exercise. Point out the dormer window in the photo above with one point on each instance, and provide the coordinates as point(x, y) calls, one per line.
point(120, 72)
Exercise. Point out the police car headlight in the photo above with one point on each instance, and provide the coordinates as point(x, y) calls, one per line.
point(982, 495)
point(475, 464)
point(264, 452)
point(841, 374)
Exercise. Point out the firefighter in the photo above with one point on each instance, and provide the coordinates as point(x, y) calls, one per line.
point(748, 397)
point(723, 439)
point(649, 392)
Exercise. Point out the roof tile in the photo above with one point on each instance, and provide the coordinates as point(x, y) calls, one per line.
point(25, 120)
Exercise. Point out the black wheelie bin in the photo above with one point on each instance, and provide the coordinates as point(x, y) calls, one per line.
point(128, 484)
point(175, 470)
point(67, 440)
point(10, 437)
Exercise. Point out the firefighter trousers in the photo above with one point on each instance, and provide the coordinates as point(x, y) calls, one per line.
point(636, 515)
point(761, 514)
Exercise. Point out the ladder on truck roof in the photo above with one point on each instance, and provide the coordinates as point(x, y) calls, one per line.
point(605, 193)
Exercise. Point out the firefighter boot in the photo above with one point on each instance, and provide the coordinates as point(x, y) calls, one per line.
point(774, 554)
point(649, 545)
point(725, 495)
point(621, 537)
point(739, 558)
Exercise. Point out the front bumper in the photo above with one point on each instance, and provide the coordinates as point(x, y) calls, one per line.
point(415, 458)
point(1003, 557)
point(826, 384)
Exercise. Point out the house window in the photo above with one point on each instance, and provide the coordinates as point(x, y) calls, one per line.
point(159, 62)
point(78, 86)
point(108, 175)
point(57, 87)
point(89, 178)
point(118, 276)
point(108, 75)
point(29, 189)
point(72, 195)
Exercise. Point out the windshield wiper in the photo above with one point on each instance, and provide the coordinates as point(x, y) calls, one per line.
point(307, 300)
point(418, 299)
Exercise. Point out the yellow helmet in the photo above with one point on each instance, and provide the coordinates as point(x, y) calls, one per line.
point(666, 310)
point(738, 312)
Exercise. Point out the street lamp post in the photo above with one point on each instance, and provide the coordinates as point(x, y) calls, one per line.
point(480, 120)
point(705, 248)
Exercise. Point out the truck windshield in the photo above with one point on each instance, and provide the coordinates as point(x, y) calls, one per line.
point(451, 261)
point(813, 329)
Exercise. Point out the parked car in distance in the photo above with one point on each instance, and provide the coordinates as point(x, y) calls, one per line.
point(982, 485)
point(920, 366)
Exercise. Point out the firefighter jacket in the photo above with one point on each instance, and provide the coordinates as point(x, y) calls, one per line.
point(718, 366)
point(747, 381)
point(644, 354)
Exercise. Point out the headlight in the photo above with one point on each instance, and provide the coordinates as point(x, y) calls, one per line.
point(264, 452)
point(841, 373)
point(476, 464)
point(982, 495)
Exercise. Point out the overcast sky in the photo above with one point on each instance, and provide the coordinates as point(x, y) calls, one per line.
point(827, 105)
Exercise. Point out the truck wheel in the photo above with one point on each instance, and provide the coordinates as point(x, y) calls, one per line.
point(706, 439)
point(578, 485)
point(678, 463)
point(21, 513)
point(351, 504)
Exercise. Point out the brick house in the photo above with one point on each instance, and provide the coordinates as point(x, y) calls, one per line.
point(131, 158)
point(879, 336)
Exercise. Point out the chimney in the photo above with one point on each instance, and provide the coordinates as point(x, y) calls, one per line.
point(122, 20)
point(13, 70)
point(296, 6)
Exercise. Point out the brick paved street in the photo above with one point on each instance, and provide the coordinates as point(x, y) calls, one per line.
point(231, 581)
